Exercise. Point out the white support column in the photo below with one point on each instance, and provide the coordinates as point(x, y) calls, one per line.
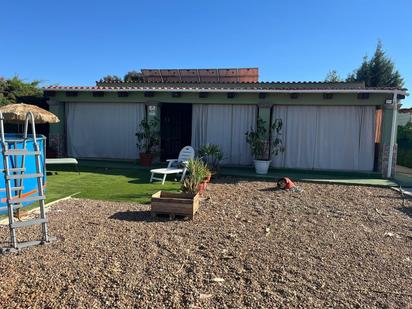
point(393, 133)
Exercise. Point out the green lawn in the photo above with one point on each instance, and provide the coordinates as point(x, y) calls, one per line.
point(113, 181)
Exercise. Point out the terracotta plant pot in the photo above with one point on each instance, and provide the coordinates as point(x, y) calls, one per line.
point(202, 187)
point(208, 177)
point(146, 159)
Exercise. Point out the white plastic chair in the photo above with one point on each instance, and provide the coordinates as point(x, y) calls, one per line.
point(175, 166)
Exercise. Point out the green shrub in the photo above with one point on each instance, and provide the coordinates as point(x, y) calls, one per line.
point(404, 140)
point(261, 146)
point(211, 154)
point(148, 137)
point(404, 157)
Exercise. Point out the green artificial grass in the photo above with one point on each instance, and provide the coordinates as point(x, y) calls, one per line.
point(118, 183)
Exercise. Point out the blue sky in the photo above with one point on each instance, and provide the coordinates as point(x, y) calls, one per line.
point(77, 42)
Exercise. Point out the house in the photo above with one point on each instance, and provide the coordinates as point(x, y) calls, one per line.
point(327, 126)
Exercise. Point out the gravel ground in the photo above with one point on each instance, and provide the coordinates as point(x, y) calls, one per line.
point(249, 246)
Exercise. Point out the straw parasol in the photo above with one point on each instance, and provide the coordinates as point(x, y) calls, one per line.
point(16, 113)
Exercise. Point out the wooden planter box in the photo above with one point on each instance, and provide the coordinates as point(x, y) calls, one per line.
point(174, 204)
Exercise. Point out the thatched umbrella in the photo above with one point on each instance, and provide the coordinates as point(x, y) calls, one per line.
point(16, 113)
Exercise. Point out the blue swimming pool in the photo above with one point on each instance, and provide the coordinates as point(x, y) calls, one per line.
point(30, 184)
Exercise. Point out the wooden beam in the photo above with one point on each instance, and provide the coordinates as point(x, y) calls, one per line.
point(149, 94)
point(98, 93)
point(72, 93)
point(363, 96)
point(122, 94)
point(401, 96)
point(328, 96)
point(49, 93)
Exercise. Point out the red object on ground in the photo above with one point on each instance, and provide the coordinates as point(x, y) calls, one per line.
point(285, 183)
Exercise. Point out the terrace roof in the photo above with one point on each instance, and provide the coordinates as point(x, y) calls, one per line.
point(236, 87)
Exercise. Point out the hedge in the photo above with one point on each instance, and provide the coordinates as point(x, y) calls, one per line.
point(405, 145)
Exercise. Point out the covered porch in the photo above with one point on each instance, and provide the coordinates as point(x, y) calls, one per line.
point(327, 126)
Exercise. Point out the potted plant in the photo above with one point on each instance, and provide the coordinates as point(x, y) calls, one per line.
point(207, 175)
point(147, 140)
point(196, 181)
point(211, 154)
point(184, 203)
point(264, 145)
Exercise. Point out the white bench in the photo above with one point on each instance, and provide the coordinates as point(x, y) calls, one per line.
point(72, 161)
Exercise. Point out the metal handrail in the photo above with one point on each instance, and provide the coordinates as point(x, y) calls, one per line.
point(39, 171)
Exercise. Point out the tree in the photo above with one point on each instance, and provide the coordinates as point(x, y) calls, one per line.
point(133, 76)
point(362, 73)
point(379, 71)
point(111, 78)
point(405, 135)
point(333, 77)
point(12, 89)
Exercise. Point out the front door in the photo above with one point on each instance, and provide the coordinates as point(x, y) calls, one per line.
point(175, 129)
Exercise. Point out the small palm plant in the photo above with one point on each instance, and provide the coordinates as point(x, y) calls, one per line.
point(198, 171)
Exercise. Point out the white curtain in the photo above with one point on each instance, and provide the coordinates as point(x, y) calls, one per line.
point(103, 130)
point(224, 125)
point(326, 137)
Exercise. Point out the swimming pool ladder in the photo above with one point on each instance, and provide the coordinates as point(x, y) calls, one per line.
point(17, 175)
